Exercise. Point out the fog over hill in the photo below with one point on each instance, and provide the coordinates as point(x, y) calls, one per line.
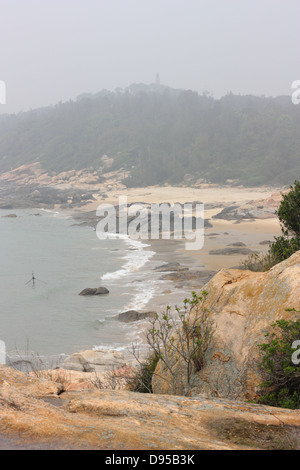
point(161, 135)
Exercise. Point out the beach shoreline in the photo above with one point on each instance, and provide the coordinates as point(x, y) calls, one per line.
point(219, 235)
point(196, 267)
point(152, 286)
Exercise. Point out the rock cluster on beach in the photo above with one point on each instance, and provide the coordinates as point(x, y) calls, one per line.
point(31, 186)
point(184, 276)
point(263, 209)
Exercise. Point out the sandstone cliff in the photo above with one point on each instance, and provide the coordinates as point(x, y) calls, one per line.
point(243, 305)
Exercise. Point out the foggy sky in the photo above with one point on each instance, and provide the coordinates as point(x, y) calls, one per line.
point(54, 50)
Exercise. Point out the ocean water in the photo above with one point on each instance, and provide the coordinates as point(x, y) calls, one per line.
point(50, 318)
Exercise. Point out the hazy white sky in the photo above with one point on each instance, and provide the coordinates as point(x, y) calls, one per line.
point(54, 50)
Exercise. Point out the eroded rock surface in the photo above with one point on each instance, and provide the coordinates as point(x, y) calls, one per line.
point(121, 420)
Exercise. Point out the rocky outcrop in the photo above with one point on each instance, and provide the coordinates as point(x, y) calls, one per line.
point(32, 186)
point(260, 209)
point(230, 250)
point(94, 361)
point(121, 420)
point(31, 386)
point(94, 291)
point(132, 316)
point(243, 306)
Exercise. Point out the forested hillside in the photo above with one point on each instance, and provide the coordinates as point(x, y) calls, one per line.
point(161, 135)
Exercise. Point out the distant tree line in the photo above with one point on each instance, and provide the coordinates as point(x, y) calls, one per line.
point(161, 135)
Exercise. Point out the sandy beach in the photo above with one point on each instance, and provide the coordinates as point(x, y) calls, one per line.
point(206, 193)
point(221, 234)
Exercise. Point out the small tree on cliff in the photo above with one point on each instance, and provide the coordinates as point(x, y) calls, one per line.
point(289, 242)
point(289, 217)
point(178, 341)
point(280, 365)
point(289, 211)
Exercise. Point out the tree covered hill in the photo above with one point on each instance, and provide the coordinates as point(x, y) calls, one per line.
point(161, 135)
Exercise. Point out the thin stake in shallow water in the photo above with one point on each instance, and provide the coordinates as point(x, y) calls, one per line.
point(33, 279)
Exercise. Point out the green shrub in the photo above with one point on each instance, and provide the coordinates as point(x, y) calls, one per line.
point(281, 386)
point(289, 211)
point(141, 381)
point(285, 246)
point(176, 338)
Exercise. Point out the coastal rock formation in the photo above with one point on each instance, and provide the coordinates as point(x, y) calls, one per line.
point(243, 306)
point(94, 291)
point(232, 250)
point(121, 420)
point(26, 384)
point(94, 361)
point(260, 209)
point(32, 186)
point(132, 316)
point(248, 211)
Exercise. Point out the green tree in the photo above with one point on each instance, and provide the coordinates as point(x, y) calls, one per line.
point(289, 211)
point(289, 242)
point(179, 340)
point(281, 386)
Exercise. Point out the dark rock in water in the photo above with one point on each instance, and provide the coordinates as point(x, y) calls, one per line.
point(88, 291)
point(102, 291)
point(265, 242)
point(237, 244)
point(232, 251)
point(95, 291)
point(201, 277)
point(170, 267)
point(10, 216)
point(132, 316)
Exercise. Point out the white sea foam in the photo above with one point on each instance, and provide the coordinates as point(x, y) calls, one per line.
point(135, 258)
point(146, 291)
point(60, 215)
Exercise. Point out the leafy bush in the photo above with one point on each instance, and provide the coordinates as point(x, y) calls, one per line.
point(289, 211)
point(141, 381)
point(179, 340)
point(260, 262)
point(281, 386)
point(285, 246)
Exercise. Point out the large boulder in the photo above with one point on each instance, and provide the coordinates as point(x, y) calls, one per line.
point(94, 291)
point(243, 306)
point(133, 316)
point(95, 361)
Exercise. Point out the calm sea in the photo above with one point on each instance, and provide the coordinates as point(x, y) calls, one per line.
point(50, 318)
